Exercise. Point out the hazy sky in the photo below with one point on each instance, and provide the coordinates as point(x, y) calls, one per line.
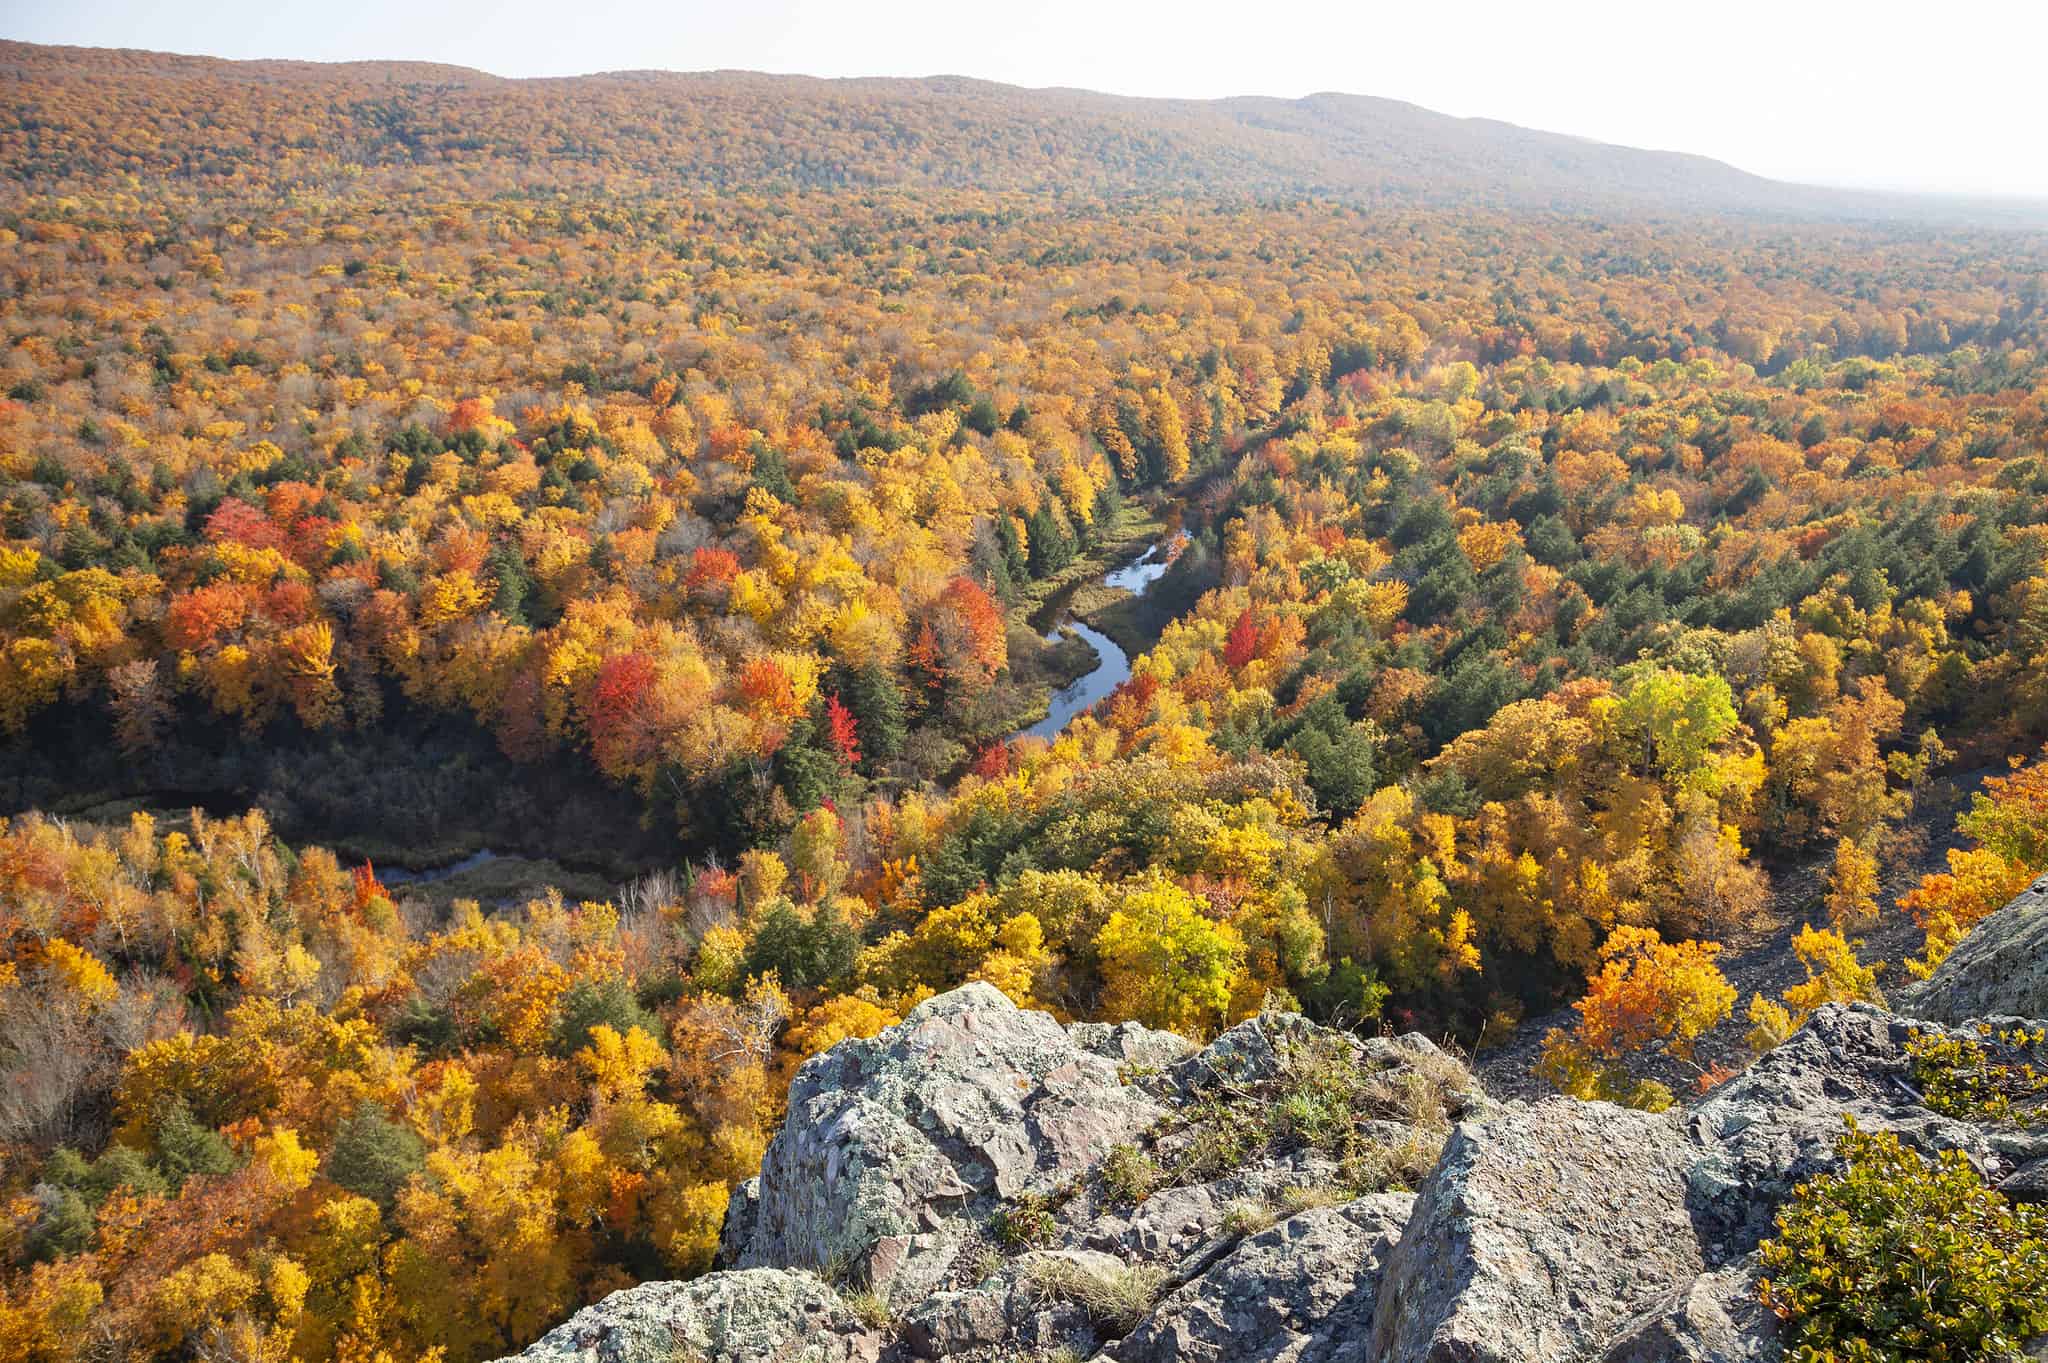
point(1943, 96)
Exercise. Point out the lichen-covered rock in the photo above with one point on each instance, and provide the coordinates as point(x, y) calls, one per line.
point(2000, 968)
point(1010, 1314)
point(1556, 1232)
point(752, 1316)
point(1175, 1222)
point(1255, 1049)
point(896, 1145)
point(1541, 1229)
point(1263, 1047)
point(1777, 1123)
point(1302, 1291)
point(1131, 1043)
point(1718, 1317)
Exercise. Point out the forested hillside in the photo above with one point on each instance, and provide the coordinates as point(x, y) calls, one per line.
point(273, 126)
point(1547, 578)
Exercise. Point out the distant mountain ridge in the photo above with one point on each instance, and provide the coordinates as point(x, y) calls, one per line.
point(69, 116)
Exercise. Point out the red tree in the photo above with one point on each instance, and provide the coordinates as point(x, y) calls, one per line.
point(923, 658)
point(367, 887)
point(842, 729)
point(199, 617)
point(1243, 644)
point(237, 521)
point(711, 569)
point(763, 683)
point(622, 733)
point(984, 635)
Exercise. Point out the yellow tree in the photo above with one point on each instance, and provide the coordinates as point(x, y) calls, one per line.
point(1164, 962)
point(1647, 993)
point(1170, 431)
point(1852, 886)
point(1833, 975)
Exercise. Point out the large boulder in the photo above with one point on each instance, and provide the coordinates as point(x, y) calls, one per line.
point(1718, 1317)
point(1776, 1124)
point(1300, 1292)
point(2000, 968)
point(896, 1146)
point(756, 1316)
point(1266, 1046)
point(1540, 1231)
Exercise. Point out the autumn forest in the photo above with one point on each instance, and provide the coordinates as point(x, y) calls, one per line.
point(674, 481)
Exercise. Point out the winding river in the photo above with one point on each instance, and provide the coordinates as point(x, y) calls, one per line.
point(1112, 665)
point(396, 875)
point(1112, 668)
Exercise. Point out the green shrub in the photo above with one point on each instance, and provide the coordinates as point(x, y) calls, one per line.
point(1324, 1099)
point(813, 950)
point(590, 1003)
point(1026, 1223)
point(120, 1166)
point(65, 1228)
point(1897, 1259)
point(1128, 1174)
point(1992, 1079)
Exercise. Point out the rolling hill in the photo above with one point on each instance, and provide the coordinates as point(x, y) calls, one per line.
point(70, 117)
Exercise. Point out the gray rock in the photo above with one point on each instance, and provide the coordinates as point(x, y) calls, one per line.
point(753, 1316)
point(1168, 1224)
point(1716, 1318)
point(1008, 1314)
point(896, 1145)
point(1175, 1222)
point(1255, 1049)
point(1130, 1043)
point(2029, 1183)
point(738, 1227)
point(2001, 967)
point(1014, 1312)
point(1299, 1292)
point(949, 1324)
point(1539, 1232)
point(1776, 1124)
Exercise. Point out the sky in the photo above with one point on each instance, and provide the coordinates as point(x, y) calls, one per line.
point(1873, 93)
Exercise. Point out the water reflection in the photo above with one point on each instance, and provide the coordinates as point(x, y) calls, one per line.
point(1112, 664)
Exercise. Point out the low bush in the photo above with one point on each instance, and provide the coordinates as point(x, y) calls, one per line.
point(1992, 1078)
point(1899, 1259)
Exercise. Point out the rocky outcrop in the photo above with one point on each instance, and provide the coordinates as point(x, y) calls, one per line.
point(1303, 1291)
point(2000, 968)
point(1536, 1234)
point(895, 1146)
point(1716, 1318)
point(1775, 1125)
point(747, 1317)
point(1579, 1231)
point(979, 1183)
